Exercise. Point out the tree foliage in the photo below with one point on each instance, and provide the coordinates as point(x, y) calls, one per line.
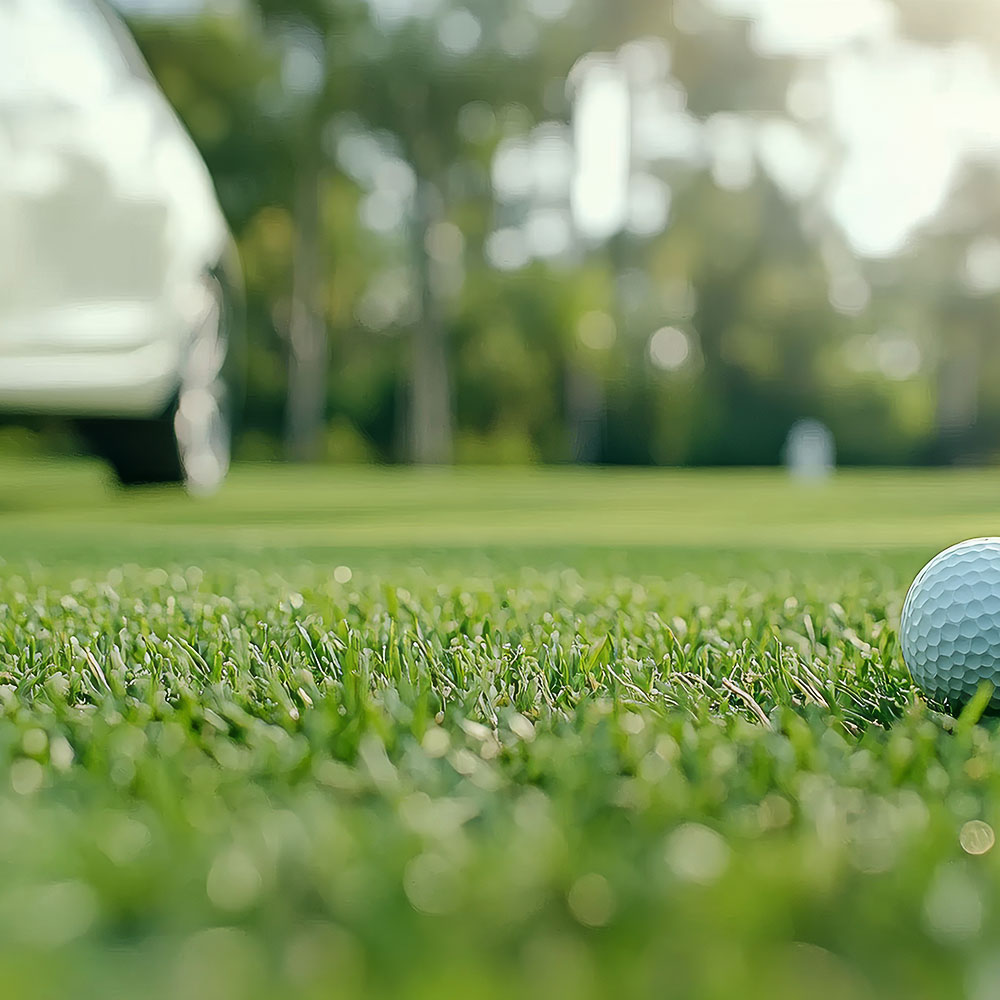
point(406, 114)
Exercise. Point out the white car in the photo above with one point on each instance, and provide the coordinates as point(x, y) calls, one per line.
point(119, 285)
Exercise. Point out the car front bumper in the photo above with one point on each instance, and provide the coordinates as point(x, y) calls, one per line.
point(135, 383)
point(102, 359)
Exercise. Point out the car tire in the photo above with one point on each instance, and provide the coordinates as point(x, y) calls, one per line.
point(190, 443)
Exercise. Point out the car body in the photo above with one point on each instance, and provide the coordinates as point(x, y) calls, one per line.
point(117, 270)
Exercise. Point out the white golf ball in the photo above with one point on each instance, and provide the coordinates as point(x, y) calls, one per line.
point(950, 629)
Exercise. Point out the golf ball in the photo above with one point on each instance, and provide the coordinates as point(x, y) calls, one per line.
point(950, 628)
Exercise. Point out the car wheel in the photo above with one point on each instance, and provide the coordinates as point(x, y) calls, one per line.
point(188, 444)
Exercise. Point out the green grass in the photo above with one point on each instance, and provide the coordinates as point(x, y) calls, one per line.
point(374, 733)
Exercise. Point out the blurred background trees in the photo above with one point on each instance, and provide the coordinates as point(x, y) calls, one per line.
point(555, 230)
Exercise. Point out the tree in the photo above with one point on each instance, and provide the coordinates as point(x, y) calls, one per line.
point(415, 78)
point(313, 39)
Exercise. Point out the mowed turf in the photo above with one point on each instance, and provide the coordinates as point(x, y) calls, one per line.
point(383, 733)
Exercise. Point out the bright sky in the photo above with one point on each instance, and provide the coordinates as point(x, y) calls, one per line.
point(811, 27)
point(906, 116)
point(884, 125)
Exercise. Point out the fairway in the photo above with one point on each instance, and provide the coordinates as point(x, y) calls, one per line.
point(65, 511)
point(483, 733)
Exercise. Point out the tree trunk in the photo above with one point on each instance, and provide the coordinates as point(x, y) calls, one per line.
point(958, 399)
point(430, 430)
point(308, 347)
point(586, 412)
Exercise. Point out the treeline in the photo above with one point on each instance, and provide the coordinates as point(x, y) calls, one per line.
point(432, 276)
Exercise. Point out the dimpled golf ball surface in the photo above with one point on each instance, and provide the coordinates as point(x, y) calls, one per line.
point(950, 628)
